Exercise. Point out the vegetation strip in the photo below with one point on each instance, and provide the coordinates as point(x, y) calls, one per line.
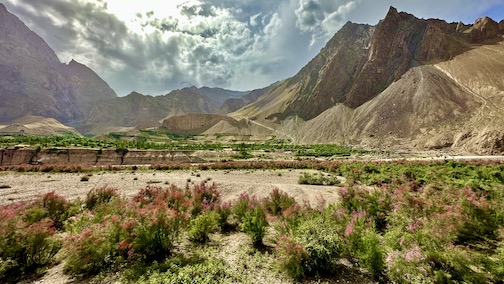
point(396, 222)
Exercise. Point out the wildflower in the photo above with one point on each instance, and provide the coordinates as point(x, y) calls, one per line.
point(414, 254)
point(414, 225)
point(350, 229)
point(391, 257)
point(343, 191)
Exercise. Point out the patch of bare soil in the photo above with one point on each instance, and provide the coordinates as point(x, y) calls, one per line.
point(27, 186)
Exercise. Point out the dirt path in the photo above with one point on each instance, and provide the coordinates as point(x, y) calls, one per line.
point(26, 186)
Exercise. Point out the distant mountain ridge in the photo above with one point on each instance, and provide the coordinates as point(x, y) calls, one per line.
point(140, 111)
point(33, 82)
point(404, 83)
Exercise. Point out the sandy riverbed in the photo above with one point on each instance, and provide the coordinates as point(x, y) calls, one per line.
point(26, 186)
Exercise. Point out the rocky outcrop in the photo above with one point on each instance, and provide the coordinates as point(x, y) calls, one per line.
point(485, 141)
point(483, 29)
point(400, 42)
point(328, 77)
point(15, 156)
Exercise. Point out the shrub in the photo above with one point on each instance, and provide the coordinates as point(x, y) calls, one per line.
point(254, 224)
point(243, 205)
point(24, 247)
point(498, 265)
point(205, 197)
point(371, 254)
point(202, 226)
point(153, 238)
point(223, 212)
point(91, 251)
point(376, 202)
point(482, 224)
point(57, 208)
point(172, 197)
point(291, 256)
point(99, 196)
point(277, 202)
point(207, 272)
point(119, 231)
point(318, 179)
point(323, 245)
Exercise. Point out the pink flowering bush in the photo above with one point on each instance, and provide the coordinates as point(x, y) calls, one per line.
point(292, 256)
point(143, 229)
point(25, 246)
point(100, 195)
point(396, 223)
point(277, 202)
point(242, 205)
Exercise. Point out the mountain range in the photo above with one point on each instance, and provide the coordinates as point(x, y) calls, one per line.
point(403, 83)
point(33, 82)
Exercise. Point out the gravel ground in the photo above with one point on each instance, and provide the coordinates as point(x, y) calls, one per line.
point(26, 186)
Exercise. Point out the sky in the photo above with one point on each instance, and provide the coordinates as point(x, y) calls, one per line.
point(155, 46)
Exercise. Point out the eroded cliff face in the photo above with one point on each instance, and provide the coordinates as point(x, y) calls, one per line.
point(399, 43)
point(93, 157)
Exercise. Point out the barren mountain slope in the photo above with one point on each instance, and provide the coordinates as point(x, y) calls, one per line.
point(458, 103)
point(38, 126)
point(418, 103)
point(422, 83)
point(34, 82)
point(309, 92)
point(360, 62)
point(480, 71)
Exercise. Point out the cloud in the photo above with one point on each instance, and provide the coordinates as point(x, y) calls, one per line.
point(322, 18)
point(154, 46)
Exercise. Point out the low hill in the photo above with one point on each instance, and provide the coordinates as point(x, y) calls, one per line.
point(37, 126)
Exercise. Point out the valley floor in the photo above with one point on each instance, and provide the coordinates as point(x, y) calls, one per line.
point(231, 183)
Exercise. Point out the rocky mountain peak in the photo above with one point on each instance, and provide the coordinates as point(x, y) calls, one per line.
point(20, 40)
point(400, 42)
point(484, 28)
point(361, 61)
point(34, 81)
